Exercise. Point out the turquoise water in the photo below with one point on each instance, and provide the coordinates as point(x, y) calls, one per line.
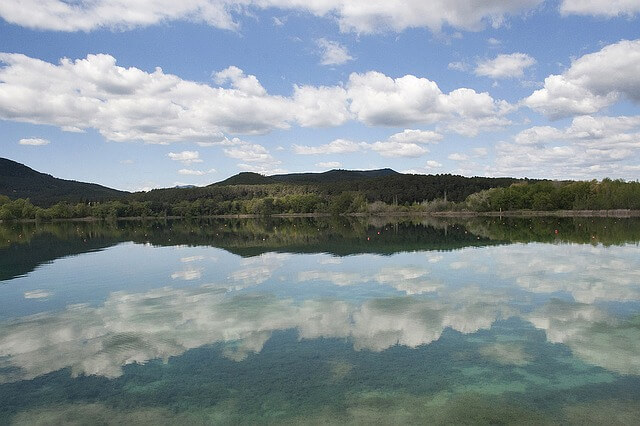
point(480, 321)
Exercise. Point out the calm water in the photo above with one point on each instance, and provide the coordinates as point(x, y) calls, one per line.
point(321, 321)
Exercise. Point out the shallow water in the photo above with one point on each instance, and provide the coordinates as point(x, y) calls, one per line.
point(321, 321)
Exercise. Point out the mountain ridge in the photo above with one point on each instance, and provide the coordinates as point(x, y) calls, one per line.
point(20, 181)
point(334, 175)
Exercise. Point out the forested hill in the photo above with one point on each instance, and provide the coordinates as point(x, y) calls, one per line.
point(386, 185)
point(20, 181)
point(332, 176)
point(383, 185)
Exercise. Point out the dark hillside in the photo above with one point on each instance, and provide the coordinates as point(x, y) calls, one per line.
point(20, 181)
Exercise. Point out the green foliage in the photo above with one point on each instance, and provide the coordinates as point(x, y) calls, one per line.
point(20, 181)
point(547, 196)
point(336, 192)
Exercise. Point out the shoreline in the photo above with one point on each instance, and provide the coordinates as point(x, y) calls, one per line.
point(617, 213)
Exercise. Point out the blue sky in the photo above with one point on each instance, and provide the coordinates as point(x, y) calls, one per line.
point(153, 93)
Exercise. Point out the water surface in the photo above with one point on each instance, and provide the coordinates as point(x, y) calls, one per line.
point(321, 320)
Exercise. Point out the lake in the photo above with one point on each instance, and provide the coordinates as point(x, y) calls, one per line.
point(481, 320)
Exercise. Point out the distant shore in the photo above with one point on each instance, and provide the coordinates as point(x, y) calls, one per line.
point(621, 213)
point(618, 213)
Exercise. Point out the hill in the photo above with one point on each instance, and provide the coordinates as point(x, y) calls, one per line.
point(383, 185)
point(332, 176)
point(246, 178)
point(20, 181)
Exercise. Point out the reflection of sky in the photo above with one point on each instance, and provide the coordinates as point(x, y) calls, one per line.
point(132, 303)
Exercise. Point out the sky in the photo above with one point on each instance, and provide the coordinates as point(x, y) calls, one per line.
point(156, 93)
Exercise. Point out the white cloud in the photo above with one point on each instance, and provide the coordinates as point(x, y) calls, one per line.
point(589, 147)
point(279, 22)
point(432, 164)
point(253, 153)
point(320, 106)
point(593, 82)
point(416, 136)
point(480, 152)
point(185, 157)
point(332, 52)
point(247, 84)
point(221, 141)
point(129, 104)
point(255, 158)
point(361, 16)
point(263, 169)
point(329, 165)
point(505, 66)
point(457, 157)
point(407, 143)
point(338, 146)
point(398, 149)
point(34, 142)
point(379, 100)
point(190, 172)
point(607, 8)
point(458, 66)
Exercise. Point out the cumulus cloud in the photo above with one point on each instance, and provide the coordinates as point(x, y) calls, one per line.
point(185, 157)
point(129, 104)
point(505, 66)
point(126, 104)
point(359, 16)
point(408, 143)
point(605, 8)
point(332, 52)
point(379, 100)
point(251, 152)
point(191, 172)
point(416, 136)
point(34, 142)
point(398, 149)
point(458, 66)
point(247, 84)
point(456, 156)
point(593, 82)
point(338, 146)
point(321, 106)
point(256, 158)
point(589, 146)
point(329, 164)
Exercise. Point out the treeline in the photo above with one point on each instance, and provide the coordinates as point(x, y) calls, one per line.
point(20, 181)
point(267, 200)
point(392, 189)
point(264, 206)
point(548, 196)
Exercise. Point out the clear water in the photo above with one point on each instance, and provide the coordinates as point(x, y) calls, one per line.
point(481, 321)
